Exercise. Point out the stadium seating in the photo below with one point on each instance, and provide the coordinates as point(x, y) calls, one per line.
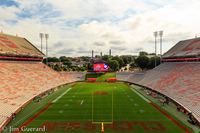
point(123, 76)
point(22, 81)
point(185, 48)
point(131, 77)
point(73, 76)
point(177, 80)
point(17, 46)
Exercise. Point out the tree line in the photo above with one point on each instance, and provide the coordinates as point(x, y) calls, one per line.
point(142, 61)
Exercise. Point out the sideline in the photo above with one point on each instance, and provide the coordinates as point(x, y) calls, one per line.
point(33, 118)
point(144, 98)
point(61, 95)
point(177, 123)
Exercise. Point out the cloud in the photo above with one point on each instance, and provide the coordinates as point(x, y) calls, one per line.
point(137, 50)
point(83, 52)
point(66, 51)
point(117, 42)
point(118, 48)
point(99, 43)
point(76, 27)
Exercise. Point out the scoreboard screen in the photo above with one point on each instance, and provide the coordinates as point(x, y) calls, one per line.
point(100, 67)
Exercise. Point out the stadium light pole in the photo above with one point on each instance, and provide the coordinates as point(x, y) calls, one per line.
point(41, 38)
point(155, 35)
point(46, 37)
point(110, 52)
point(92, 54)
point(161, 35)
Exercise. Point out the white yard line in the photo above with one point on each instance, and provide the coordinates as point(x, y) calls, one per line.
point(144, 98)
point(29, 114)
point(61, 95)
point(82, 102)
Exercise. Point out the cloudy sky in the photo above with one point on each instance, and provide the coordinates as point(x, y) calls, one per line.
point(76, 27)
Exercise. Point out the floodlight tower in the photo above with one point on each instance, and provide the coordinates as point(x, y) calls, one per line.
point(47, 37)
point(155, 35)
point(92, 54)
point(41, 38)
point(161, 35)
point(110, 52)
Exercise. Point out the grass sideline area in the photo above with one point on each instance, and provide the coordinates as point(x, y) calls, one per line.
point(76, 107)
point(101, 76)
point(170, 108)
point(33, 107)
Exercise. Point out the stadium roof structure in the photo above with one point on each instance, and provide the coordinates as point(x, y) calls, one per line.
point(184, 49)
point(17, 47)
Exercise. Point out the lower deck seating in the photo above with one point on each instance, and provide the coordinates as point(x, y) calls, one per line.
point(22, 81)
point(178, 80)
point(73, 76)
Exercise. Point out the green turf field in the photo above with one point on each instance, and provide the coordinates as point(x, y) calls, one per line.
point(84, 106)
point(101, 76)
point(105, 76)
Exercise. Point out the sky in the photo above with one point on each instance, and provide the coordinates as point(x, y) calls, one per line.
point(76, 27)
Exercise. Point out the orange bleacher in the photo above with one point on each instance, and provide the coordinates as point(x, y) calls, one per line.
point(17, 46)
point(177, 80)
point(22, 81)
point(185, 48)
point(177, 77)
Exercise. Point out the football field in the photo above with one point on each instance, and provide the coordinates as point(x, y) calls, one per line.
point(93, 107)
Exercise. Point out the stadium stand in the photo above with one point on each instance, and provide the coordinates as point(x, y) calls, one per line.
point(73, 76)
point(123, 75)
point(179, 80)
point(131, 77)
point(185, 48)
point(25, 77)
point(18, 47)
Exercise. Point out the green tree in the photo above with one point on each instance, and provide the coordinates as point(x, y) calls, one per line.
point(133, 65)
point(106, 58)
point(85, 58)
point(142, 61)
point(114, 65)
point(57, 67)
point(120, 61)
point(151, 63)
point(143, 53)
point(51, 59)
point(127, 59)
point(89, 66)
point(63, 58)
point(67, 63)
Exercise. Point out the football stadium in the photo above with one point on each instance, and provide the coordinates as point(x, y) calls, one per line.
point(96, 67)
point(36, 98)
